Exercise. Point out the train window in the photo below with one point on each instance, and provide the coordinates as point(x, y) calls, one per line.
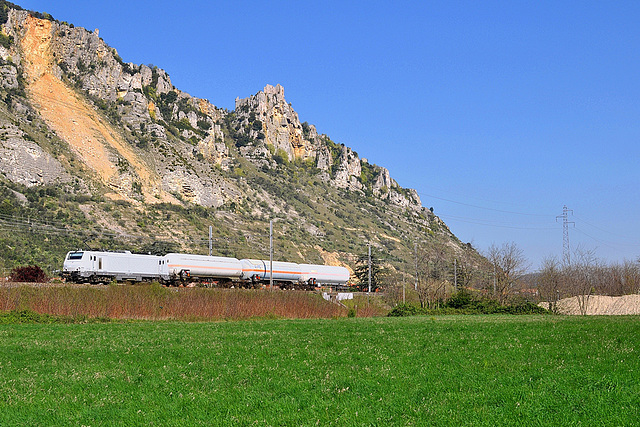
point(75, 255)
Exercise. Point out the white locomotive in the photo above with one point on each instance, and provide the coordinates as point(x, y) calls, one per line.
point(175, 268)
point(95, 267)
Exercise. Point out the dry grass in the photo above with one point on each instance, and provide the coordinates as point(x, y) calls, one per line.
point(154, 302)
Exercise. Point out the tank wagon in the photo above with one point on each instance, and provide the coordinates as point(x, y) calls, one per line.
point(177, 268)
point(188, 267)
point(323, 274)
point(259, 271)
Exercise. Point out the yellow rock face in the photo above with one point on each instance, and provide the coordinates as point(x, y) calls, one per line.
point(75, 121)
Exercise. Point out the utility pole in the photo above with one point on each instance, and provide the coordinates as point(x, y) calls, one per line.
point(271, 254)
point(566, 253)
point(210, 239)
point(494, 279)
point(455, 274)
point(404, 301)
point(369, 267)
point(415, 249)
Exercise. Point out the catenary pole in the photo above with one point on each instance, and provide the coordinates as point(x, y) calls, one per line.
point(369, 267)
point(210, 239)
point(455, 274)
point(271, 254)
point(415, 248)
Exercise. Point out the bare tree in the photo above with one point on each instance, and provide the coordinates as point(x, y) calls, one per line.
point(613, 285)
point(432, 280)
point(624, 279)
point(550, 281)
point(631, 277)
point(467, 273)
point(393, 285)
point(582, 276)
point(509, 265)
point(587, 276)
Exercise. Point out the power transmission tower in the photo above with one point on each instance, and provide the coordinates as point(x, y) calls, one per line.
point(566, 253)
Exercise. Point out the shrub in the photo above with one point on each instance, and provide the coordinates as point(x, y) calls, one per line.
point(460, 303)
point(16, 317)
point(203, 124)
point(31, 273)
point(460, 299)
point(5, 40)
point(403, 310)
point(281, 157)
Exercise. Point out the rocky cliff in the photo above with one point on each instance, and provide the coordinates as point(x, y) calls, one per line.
point(70, 72)
point(266, 121)
point(76, 117)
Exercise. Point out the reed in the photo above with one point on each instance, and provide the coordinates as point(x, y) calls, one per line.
point(154, 302)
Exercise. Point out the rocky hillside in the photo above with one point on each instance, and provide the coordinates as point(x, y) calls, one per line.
point(98, 152)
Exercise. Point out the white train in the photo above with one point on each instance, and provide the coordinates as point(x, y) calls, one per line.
point(175, 268)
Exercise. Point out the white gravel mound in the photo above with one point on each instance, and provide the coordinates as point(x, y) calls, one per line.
point(600, 305)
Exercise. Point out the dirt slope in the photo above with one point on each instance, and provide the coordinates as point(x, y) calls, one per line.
point(75, 121)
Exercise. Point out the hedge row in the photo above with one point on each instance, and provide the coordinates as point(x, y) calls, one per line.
point(464, 302)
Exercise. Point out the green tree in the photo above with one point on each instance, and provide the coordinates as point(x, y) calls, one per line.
point(362, 272)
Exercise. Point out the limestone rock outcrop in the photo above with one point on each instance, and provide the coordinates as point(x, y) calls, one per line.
point(25, 162)
point(387, 188)
point(267, 118)
point(349, 170)
point(266, 124)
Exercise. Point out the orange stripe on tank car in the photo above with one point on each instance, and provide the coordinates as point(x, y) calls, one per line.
point(267, 270)
point(203, 266)
point(325, 274)
point(260, 270)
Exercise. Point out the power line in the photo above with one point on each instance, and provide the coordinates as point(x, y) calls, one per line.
point(612, 245)
point(483, 207)
point(602, 229)
point(487, 224)
point(423, 190)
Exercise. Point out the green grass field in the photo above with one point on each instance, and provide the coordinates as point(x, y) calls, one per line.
point(450, 370)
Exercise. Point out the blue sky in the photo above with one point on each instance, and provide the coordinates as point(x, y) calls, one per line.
point(497, 112)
